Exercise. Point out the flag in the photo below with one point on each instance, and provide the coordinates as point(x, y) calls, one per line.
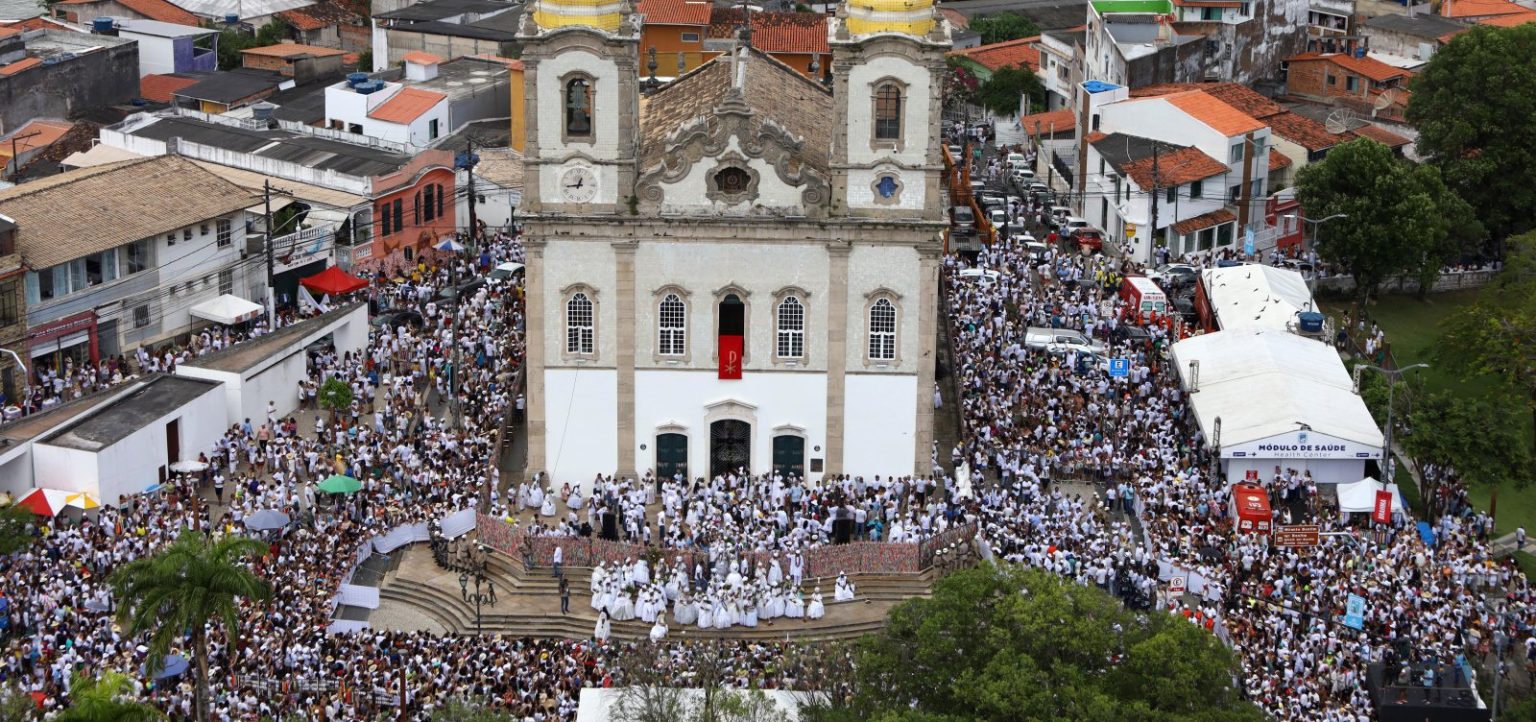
point(1382, 512)
point(730, 358)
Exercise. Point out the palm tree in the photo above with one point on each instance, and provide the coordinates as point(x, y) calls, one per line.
point(177, 593)
point(108, 698)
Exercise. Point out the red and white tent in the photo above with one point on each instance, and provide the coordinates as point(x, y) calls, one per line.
point(44, 502)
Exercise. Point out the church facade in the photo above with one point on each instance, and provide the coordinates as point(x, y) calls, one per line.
point(740, 268)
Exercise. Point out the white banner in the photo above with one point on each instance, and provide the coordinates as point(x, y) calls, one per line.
point(1301, 445)
point(358, 596)
point(459, 523)
point(344, 626)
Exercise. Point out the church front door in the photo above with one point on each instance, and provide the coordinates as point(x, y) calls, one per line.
point(671, 456)
point(730, 446)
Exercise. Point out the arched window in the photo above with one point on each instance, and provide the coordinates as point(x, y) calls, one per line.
point(580, 330)
point(578, 107)
point(882, 330)
point(673, 325)
point(888, 112)
point(791, 328)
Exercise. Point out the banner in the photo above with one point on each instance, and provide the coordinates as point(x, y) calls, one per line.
point(1382, 511)
point(1354, 612)
point(730, 358)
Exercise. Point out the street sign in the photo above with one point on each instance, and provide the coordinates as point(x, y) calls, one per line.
point(1119, 367)
point(1354, 612)
point(1177, 585)
point(1296, 535)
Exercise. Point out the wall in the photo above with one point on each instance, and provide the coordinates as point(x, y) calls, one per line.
point(1310, 77)
point(16, 470)
point(417, 235)
point(391, 46)
point(157, 55)
point(668, 41)
point(103, 77)
point(247, 398)
point(580, 434)
point(878, 430)
point(498, 206)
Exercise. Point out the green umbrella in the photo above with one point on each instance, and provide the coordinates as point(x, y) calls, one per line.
point(340, 484)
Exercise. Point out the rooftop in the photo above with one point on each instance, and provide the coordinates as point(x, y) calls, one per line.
point(675, 12)
point(486, 134)
point(1480, 8)
point(1019, 53)
point(1372, 69)
point(231, 86)
point(280, 145)
point(118, 419)
point(39, 133)
point(1050, 124)
point(244, 8)
point(443, 9)
point(406, 106)
point(1420, 26)
point(1219, 116)
point(502, 166)
point(775, 32)
point(78, 212)
point(158, 29)
point(1509, 21)
point(159, 88)
point(246, 355)
point(292, 50)
point(1132, 155)
point(1381, 135)
point(151, 9)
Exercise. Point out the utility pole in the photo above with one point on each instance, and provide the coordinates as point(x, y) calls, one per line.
point(266, 196)
point(458, 299)
point(1156, 191)
point(15, 155)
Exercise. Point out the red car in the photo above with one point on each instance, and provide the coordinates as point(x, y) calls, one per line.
point(1088, 238)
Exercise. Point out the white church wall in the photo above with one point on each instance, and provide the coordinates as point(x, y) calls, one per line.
point(580, 437)
point(914, 122)
point(878, 429)
point(674, 398)
point(552, 74)
point(861, 188)
point(586, 263)
point(895, 269)
point(689, 193)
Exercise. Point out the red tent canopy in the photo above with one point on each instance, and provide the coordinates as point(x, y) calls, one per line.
point(1251, 504)
point(333, 281)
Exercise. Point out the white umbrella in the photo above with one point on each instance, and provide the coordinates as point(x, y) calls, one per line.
point(188, 466)
point(448, 244)
point(266, 519)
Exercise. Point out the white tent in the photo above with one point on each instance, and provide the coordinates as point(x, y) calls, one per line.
point(227, 309)
point(1255, 296)
point(1360, 496)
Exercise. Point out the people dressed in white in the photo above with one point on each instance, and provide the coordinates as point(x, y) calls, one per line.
point(843, 592)
point(603, 629)
point(658, 630)
point(795, 607)
point(816, 610)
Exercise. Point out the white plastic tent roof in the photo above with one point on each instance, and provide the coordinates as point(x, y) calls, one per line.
point(1263, 383)
point(245, 9)
point(227, 309)
point(1255, 296)
point(1358, 496)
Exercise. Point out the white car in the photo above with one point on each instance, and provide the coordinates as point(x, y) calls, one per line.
point(1072, 223)
point(1176, 273)
point(980, 275)
point(505, 270)
point(1034, 249)
point(1016, 160)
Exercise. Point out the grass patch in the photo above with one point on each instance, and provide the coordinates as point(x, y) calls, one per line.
point(1414, 328)
point(1527, 563)
point(1409, 489)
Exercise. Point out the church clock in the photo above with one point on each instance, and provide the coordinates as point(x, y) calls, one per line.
point(578, 185)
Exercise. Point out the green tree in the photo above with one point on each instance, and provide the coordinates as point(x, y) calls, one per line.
point(1496, 334)
point(1454, 430)
point(1474, 106)
point(233, 41)
point(1003, 27)
point(334, 395)
point(16, 531)
point(1396, 217)
point(176, 594)
point(1010, 643)
point(1001, 93)
point(107, 698)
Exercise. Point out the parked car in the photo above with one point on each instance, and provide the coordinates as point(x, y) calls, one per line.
point(998, 217)
point(1057, 215)
point(955, 151)
point(1175, 275)
point(1034, 249)
point(467, 289)
point(1135, 336)
point(962, 216)
point(980, 275)
point(1296, 264)
point(1022, 177)
point(1016, 160)
point(1059, 339)
point(1087, 238)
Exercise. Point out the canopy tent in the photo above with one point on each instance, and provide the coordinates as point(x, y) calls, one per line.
point(1360, 496)
point(227, 309)
point(1255, 297)
point(1276, 396)
point(333, 281)
point(44, 502)
point(1250, 505)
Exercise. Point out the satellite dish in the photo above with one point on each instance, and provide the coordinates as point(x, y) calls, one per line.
point(1341, 120)
point(1386, 99)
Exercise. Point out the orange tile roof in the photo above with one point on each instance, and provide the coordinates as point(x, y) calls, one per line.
point(1303, 131)
point(1277, 160)
point(1062, 120)
point(7, 32)
point(1382, 135)
point(33, 23)
point(1203, 221)
point(420, 58)
point(1222, 118)
point(34, 135)
point(289, 50)
point(1479, 8)
point(957, 19)
point(160, 88)
point(511, 63)
point(676, 12)
point(1182, 166)
point(407, 105)
point(19, 66)
point(160, 10)
point(775, 32)
point(304, 21)
point(1367, 67)
point(1509, 21)
point(1021, 53)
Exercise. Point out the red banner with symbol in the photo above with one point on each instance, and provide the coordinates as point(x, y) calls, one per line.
point(730, 358)
point(1382, 511)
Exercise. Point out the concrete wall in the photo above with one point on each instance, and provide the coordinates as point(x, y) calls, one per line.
point(16, 470)
point(107, 76)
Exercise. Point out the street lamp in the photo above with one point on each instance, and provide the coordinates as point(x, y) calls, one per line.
point(1314, 224)
point(1392, 377)
point(481, 598)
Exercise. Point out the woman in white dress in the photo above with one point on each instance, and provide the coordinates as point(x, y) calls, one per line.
point(684, 612)
point(843, 592)
point(623, 607)
point(795, 607)
point(644, 609)
point(749, 614)
point(706, 613)
point(599, 574)
point(658, 630)
point(816, 610)
point(603, 628)
point(547, 507)
point(535, 498)
point(725, 614)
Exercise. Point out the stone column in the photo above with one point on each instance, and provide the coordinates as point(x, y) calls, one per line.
point(927, 344)
point(533, 364)
point(837, 351)
point(624, 335)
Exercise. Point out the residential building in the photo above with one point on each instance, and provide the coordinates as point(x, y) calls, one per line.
point(328, 25)
point(85, 11)
point(1364, 85)
point(960, 32)
point(984, 60)
point(58, 74)
point(1142, 42)
point(1329, 19)
point(399, 201)
point(719, 274)
point(168, 48)
point(447, 29)
point(23, 144)
point(1477, 10)
point(1407, 42)
point(1510, 20)
point(226, 90)
point(116, 255)
point(303, 63)
point(249, 13)
point(498, 188)
point(1060, 65)
point(676, 29)
point(13, 311)
point(428, 101)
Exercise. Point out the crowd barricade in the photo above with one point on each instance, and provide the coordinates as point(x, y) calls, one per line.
point(822, 561)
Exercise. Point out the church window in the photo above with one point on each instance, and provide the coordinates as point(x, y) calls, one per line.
point(580, 329)
point(882, 330)
point(733, 180)
point(578, 107)
point(888, 112)
point(791, 331)
point(674, 326)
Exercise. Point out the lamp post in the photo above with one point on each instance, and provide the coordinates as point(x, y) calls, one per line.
point(1314, 224)
point(1392, 377)
point(480, 599)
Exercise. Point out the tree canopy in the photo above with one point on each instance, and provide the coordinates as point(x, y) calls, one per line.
point(1011, 643)
point(106, 698)
point(1003, 27)
point(1001, 93)
point(1474, 106)
point(1454, 429)
point(232, 41)
point(1496, 334)
point(1396, 217)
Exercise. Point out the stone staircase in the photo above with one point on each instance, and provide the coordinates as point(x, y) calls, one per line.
point(528, 605)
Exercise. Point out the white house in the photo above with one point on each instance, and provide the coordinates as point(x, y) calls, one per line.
point(170, 48)
point(388, 111)
point(498, 187)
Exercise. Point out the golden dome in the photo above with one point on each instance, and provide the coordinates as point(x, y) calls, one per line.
point(909, 17)
point(597, 14)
